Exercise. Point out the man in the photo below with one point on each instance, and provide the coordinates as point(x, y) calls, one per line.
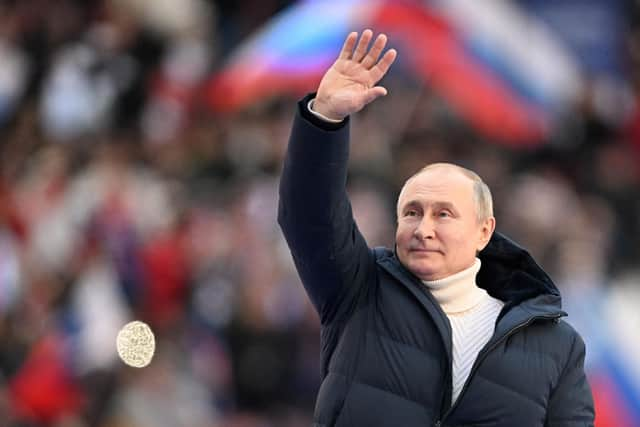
point(456, 327)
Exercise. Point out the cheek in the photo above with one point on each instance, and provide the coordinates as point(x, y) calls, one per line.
point(403, 235)
point(465, 238)
point(455, 236)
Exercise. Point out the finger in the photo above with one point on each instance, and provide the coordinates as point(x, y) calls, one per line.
point(349, 43)
point(363, 43)
point(380, 69)
point(375, 51)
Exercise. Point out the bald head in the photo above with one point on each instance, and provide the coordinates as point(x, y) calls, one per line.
point(482, 199)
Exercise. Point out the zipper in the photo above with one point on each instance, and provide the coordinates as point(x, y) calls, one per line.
point(483, 354)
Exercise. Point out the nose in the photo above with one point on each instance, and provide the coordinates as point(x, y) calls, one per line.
point(425, 229)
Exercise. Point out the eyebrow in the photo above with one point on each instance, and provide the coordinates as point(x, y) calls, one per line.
point(434, 205)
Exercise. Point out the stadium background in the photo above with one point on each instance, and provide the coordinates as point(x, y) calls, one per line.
point(139, 160)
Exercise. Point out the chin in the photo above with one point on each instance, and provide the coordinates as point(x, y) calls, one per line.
point(425, 273)
point(430, 277)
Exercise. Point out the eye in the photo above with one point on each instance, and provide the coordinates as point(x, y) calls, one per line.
point(444, 214)
point(411, 212)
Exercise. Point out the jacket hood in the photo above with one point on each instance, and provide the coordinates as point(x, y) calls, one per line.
point(510, 273)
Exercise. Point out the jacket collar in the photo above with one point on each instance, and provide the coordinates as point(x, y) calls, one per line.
point(510, 274)
point(393, 266)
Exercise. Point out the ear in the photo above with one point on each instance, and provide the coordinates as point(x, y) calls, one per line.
point(487, 228)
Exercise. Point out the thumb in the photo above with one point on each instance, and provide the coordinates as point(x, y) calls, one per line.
point(374, 93)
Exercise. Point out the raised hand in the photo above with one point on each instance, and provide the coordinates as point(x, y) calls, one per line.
point(349, 84)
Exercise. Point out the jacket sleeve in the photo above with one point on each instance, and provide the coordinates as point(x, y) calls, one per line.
point(571, 402)
point(315, 215)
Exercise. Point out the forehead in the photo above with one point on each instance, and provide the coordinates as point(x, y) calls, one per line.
point(443, 183)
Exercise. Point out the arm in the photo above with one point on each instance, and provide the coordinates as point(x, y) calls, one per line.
point(571, 402)
point(314, 211)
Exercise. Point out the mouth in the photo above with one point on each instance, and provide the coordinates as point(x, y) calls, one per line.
point(425, 250)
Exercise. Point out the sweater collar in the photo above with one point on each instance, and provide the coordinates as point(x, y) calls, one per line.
point(457, 293)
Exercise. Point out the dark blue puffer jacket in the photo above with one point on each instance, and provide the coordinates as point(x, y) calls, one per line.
point(386, 343)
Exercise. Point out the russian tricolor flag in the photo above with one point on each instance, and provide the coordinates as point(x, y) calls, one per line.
point(501, 69)
point(609, 321)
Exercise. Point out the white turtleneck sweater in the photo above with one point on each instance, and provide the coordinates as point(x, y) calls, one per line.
point(472, 313)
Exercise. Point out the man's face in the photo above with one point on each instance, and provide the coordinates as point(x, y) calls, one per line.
point(438, 231)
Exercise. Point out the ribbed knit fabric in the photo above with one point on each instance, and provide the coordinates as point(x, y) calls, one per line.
point(472, 313)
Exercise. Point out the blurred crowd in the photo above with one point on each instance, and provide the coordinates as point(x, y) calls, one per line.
point(122, 197)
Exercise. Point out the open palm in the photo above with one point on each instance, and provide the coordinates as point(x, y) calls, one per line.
point(350, 83)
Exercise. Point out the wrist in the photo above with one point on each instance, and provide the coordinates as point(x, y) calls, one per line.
point(318, 109)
